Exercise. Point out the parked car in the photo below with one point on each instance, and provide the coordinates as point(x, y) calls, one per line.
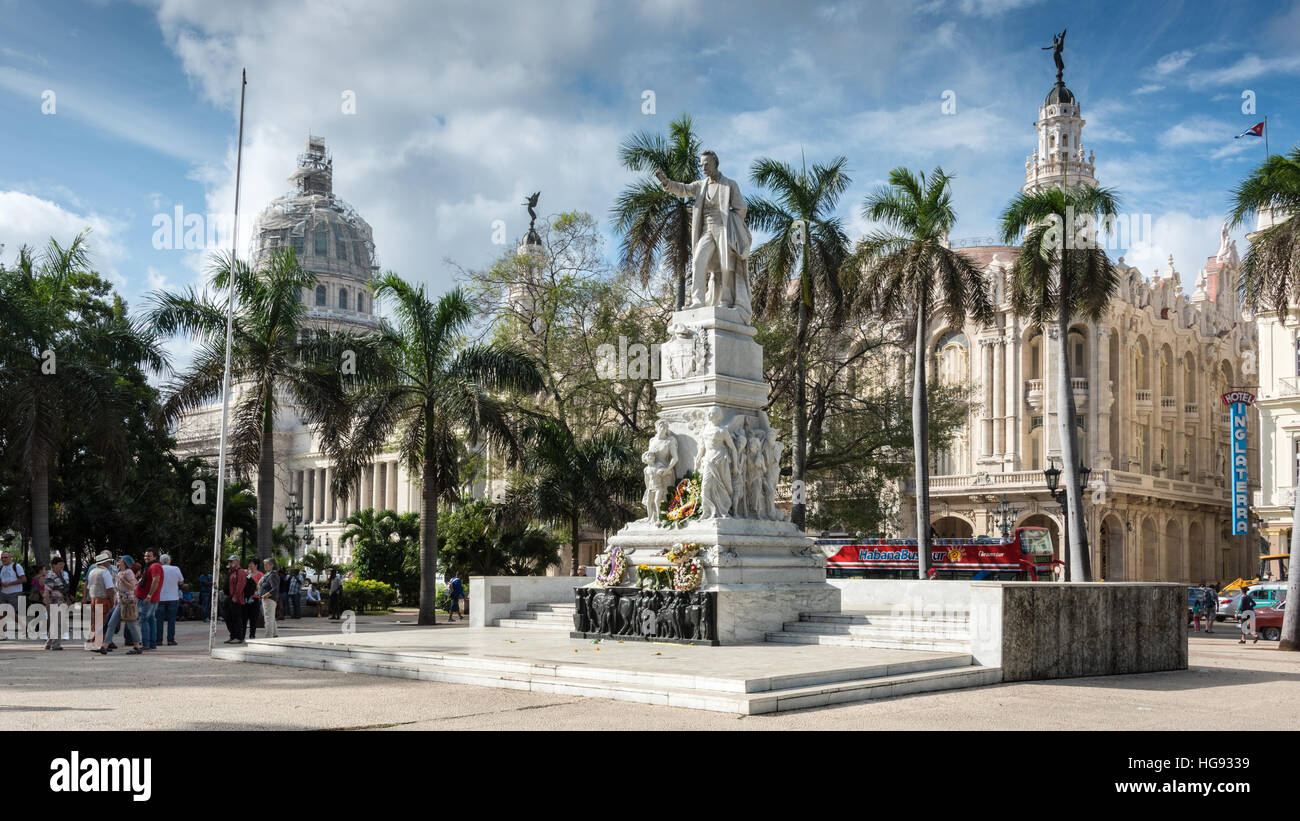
point(1228, 605)
point(1268, 621)
point(1268, 594)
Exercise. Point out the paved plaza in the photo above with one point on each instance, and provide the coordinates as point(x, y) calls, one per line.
point(1227, 686)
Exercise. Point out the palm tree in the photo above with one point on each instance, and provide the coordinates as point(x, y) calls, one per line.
point(64, 351)
point(1270, 280)
point(1058, 276)
point(656, 225)
point(805, 231)
point(571, 482)
point(270, 361)
point(434, 391)
point(319, 562)
point(908, 270)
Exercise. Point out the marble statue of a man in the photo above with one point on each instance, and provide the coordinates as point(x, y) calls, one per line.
point(720, 239)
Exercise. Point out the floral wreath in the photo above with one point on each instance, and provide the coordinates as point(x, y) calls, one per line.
point(685, 504)
point(688, 575)
point(680, 552)
point(610, 567)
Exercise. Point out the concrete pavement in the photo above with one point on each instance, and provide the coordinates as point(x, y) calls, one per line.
point(1227, 686)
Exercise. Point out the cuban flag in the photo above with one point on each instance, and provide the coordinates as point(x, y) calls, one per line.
point(1256, 130)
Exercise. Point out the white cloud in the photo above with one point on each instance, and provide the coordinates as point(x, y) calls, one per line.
point(1247, 68)
point(1150, 88)
point(1190, 239)
point(1173, 62)
point(32, 221)
point(1198, 130)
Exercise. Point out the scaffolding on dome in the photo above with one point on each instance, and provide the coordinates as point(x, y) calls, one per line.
point(313, 206)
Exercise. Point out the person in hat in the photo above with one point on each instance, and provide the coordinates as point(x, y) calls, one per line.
point(99, 593)
point(235, 600)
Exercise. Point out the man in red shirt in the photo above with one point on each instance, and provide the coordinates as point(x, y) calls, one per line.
point(151, 581)
point(235, 602)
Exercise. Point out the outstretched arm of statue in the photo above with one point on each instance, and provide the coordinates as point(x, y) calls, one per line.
point(673, 187)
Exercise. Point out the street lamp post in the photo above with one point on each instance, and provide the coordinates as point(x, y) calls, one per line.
point(1005, 517)
point(293, 515)
point(1052, 474)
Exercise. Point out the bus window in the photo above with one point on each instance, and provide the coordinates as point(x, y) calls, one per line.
point(1036, 542)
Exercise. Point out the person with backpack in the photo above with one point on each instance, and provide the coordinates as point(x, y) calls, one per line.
point(455, 592)
point(1246, 615)
point(1212, 608)
point(235, 584)
point(12, 579)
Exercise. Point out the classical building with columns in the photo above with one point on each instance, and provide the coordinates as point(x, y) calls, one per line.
point(331, 240)
point(1147, 381)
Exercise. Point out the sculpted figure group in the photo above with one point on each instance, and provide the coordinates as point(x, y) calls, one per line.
point(739, 463)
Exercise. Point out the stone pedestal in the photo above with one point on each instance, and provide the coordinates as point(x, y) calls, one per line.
point(763, 570)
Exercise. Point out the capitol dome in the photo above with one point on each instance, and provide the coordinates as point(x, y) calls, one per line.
point(327, 235)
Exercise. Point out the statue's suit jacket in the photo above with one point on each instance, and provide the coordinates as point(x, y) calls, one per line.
point(735, 234)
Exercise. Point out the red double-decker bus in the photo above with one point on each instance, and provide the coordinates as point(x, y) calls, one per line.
point(1026, 556)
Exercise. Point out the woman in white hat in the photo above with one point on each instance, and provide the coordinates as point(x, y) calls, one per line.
point(100, 594)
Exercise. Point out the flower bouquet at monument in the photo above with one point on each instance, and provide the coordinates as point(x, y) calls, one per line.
point(685, 503)
point(680, 552)
point(688, 575)
point(610, 567)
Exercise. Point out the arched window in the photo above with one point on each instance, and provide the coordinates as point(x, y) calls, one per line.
point(320, 296)
point(343, 299)
point(361, 303)
point(340, 242)
point(321, 248)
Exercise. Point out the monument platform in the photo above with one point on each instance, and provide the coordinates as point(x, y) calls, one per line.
point(748, 679)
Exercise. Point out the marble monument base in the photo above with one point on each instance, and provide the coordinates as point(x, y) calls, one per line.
point(765, 573)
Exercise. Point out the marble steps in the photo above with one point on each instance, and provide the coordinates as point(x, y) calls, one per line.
point(884, 642)
point(887, 617)
point(899, 629)
point(540, 616)
point(753, 696)
point(551, 607)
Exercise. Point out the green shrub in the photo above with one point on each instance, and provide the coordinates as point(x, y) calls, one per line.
point(368, 595)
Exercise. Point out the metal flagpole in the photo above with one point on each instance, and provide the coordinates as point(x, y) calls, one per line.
point(1265, 138)
point(225, 384)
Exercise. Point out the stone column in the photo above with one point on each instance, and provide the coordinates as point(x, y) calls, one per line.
point(330, 502)
point(367, 487)
point(1100, 396)
point(321, 512)
point(381, 485)
point(999, 410)
point(986, 424)
point(376, 485)
point(1015, 402)
point(392, 485)
point(309, 496)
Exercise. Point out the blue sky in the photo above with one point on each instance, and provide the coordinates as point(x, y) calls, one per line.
point(463, 108)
